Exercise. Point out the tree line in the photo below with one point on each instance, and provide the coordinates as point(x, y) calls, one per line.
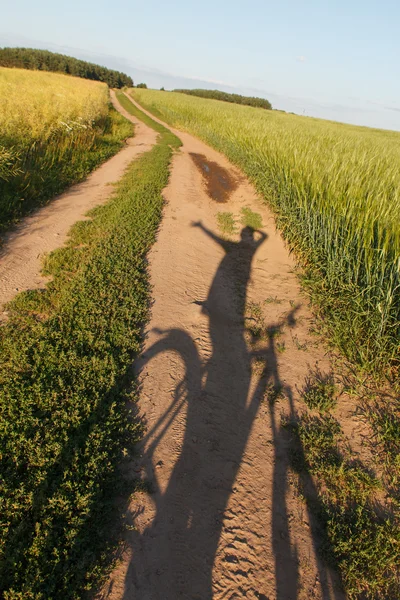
point(43, 60)
point(225, 97)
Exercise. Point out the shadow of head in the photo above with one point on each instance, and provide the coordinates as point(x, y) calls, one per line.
point(247, 235)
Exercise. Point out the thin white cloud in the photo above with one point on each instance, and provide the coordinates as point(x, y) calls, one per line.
point(385, 106)
point(207, 80)
point(301, 59)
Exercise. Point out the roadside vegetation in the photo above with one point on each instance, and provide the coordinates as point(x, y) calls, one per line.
point(227, 224)
point(358, 511)
point(65, 424)
point(43, 60)
point(54, 130)
point(225, 97)
point(335, 190)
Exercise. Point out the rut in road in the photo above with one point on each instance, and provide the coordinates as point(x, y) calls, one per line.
point(47, 229)
point(224, 519)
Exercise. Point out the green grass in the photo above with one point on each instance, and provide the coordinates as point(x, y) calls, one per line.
point(274, 393)
point(272, 300)
point(320, 391)
point(66, 376)
point(281, 347)
point(251, 218)
point(169, 137)
point(383, 415)
point(361, 536)
point(335, 190)
point(226, 223)
point(255, 323)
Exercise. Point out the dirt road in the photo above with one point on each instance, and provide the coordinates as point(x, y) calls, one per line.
point(47, 229)
point(227, 349)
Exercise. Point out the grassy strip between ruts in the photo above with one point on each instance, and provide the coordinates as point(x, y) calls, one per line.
point(64, 419)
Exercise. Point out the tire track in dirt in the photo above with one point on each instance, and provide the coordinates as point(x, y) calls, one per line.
point(224, 519)
point(47, 229)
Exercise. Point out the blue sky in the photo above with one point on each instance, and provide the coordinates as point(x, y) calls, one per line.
point(335, 59)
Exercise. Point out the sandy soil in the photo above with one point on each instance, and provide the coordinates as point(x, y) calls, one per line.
point(224, 520)
point(47, 229)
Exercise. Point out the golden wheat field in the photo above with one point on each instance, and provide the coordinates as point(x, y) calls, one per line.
point(35, 104)
point(54, 129)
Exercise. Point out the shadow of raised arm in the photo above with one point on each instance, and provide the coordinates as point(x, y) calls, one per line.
point(219, 240)
point(262, 239)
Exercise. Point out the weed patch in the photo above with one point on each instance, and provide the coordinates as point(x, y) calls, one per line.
point(226, 223)
point(361, 538)
point(383, 415)
point(320, 391)
point(251, 218)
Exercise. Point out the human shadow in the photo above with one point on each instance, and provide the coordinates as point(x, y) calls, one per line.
point(174, 556)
